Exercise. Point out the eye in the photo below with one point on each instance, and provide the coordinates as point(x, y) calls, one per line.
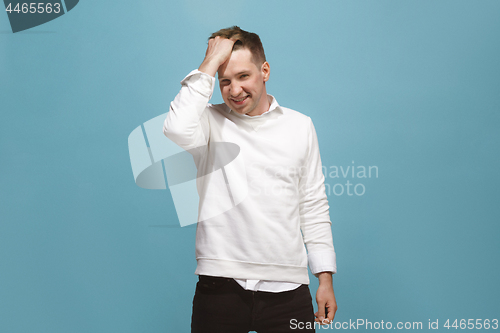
point(243, 76)
point(224, 82)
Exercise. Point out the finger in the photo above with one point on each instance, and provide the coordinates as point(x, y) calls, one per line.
point(332, 309)
point(331, 315)
point(321, 311)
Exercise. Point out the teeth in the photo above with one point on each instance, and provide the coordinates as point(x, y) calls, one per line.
point(239, 100)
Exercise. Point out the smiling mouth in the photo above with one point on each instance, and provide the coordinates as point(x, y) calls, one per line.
point(240, 100)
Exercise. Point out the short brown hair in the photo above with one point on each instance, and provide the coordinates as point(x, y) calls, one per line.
point(246, 39)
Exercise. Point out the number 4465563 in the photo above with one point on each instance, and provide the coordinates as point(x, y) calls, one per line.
point(472, 324)
point(34, 7)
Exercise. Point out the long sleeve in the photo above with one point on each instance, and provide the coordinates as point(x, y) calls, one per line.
point(314, 211)
point(187, 123)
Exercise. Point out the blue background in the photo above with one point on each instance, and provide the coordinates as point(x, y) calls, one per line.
point(412, 87)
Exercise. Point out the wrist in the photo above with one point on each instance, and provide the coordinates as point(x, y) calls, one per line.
point(325, 277)
point(209, 66)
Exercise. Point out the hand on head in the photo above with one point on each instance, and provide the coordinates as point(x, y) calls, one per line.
point(218, 51)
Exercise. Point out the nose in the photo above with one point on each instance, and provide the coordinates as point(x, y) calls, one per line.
point(235, 89)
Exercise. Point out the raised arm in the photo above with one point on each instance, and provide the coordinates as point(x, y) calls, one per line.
point(186, 123)
point(218, 52)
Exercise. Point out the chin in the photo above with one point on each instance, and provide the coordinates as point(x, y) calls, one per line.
point(240, 111)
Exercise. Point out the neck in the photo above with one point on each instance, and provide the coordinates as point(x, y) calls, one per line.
point(264, 104)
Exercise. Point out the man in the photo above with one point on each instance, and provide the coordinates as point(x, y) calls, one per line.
point(252, 262)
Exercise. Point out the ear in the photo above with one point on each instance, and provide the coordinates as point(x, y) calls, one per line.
point(266, 70)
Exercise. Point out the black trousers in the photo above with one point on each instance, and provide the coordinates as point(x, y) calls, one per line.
point(221, 305)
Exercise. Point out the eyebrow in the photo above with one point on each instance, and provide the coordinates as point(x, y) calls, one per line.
point(243, 71)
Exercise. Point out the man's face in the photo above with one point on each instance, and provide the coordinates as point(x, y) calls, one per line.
point(242, 83)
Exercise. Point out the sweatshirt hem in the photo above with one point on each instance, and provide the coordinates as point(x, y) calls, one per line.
point(253, 271)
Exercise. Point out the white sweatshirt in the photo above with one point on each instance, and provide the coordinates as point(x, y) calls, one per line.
point(276, 188)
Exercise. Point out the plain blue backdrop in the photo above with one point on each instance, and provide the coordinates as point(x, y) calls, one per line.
point(411, 87)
